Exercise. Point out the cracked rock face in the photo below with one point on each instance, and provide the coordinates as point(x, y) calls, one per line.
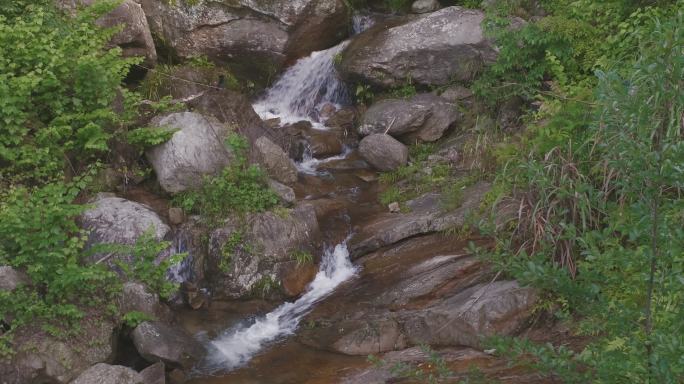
point(255, 37)
point(431, 49)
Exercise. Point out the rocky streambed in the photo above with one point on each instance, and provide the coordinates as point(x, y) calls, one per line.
point(382, 280)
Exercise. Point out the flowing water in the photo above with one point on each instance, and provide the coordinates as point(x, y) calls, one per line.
point(305, 89)
point(237, 346)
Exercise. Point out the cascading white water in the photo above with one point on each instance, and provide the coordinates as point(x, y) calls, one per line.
point(305, 89)
point(237, 346)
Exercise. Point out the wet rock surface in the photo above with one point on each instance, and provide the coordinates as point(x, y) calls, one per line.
point(383, 152)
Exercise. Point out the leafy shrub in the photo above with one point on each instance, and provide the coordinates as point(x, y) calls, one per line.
point(303, 257)
point(240, 188)
point(134, 318)
point(57, 84)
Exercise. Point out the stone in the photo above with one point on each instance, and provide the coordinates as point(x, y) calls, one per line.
point(137, 297)
point(274, 160)
point(109, 374)
point(196, 150)
point(113, 220)
point(135, 39)
point(154, 374)
point(267, 241)
point(255, 38)
point(487, 309)
point(383, 152)
point(295, 277)
point(456, 93)
point(394, 207)
point(42, 358)
point(432, 49)
point(176, 215)
point(425, 6)
point(424, 117)
point(426, 214)
point(285, 193)
point(370, 337)
point(11, 278)
point(157, 341)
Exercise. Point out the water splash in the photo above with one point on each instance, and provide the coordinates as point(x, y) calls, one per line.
point(238, 345)
point(309, 164)
point(361, 22)
point(305, 89)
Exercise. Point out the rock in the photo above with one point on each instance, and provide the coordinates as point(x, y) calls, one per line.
point(43, 358)
point(394, 207)
point(319, 143)
point(254, 37)
point(456, 93)
point(176, 215)
point(432, 49)
point(135, 39)
point(154, 374)
point(196, 150)
point(285, 193)
point(427, 214)
point(370, 337)
point(177, 376)
point(499, 308)
point(136, 297)
point(157, 341)
point(113, 220)
point(11, 278)
point(425, 6)
point(109, 374)
point(264, 241)
point(383, 152)
point(343, 120)
point(424, 117)
point(276, 163)
point(295, 277)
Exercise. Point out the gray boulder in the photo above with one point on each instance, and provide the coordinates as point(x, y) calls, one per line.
point(285, 193)
point(135, 39)
point(498, 308)
point(43, 358)
point(113, 220)
point(136, 297)
point(108, 374)
point(254, 37)
point(10, 278)
point(154, 374)
point(432, 49)
point(244, 252)
point(425, 6)
point(276, 162)
point(423, 117)
point(196, 150)
point(171, 345)
point(383, 152)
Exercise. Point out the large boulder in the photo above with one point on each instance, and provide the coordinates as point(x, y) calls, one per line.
point(432, 49)
point(254, 37)
point(196, 150)
point(276, 162)
point(135, 38)
point(171, 345)
point(113, 220)
point(487, 309)
point(261, 247)
point(42, 358)
point(423, 117)
point(108, 374)
point(383, 152)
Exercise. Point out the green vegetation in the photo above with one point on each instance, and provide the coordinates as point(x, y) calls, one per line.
point(241, 188)
point(598, 175)
point(235, 243)
point(265, 286)
point(134, 318)
point(303, 257)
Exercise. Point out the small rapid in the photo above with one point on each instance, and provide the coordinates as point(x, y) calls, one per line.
point(236, 346)
point(305, 89)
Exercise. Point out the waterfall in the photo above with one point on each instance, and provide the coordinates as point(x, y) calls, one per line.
point(238, 345)
point(305, 90)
